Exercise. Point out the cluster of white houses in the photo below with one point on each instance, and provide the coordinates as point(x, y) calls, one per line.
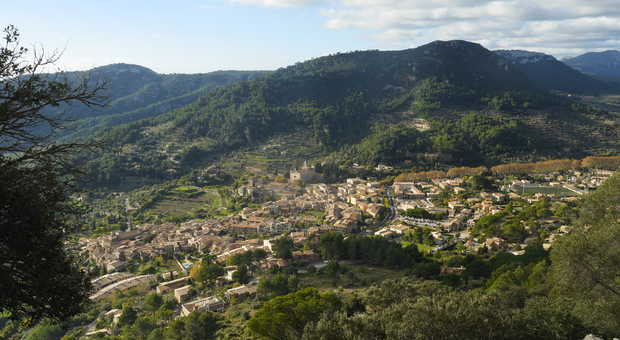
point(463, 213)
point(320, 208)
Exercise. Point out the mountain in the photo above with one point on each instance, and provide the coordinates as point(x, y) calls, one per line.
point(356, 107)
point(334, 95)
point(134, 92)
point(602, 64)
point(546, 72)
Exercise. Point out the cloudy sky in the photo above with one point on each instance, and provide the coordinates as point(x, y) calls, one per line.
point(189, 36)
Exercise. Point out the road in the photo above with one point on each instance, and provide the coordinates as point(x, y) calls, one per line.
point(393, 213)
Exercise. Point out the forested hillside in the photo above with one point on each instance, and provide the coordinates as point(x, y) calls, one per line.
point(336, 101)
point(133, 92)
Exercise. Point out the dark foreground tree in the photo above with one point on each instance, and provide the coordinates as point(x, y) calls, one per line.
point(38, 277)
point(586, 262)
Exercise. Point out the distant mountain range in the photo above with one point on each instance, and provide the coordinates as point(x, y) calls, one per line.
point(546, 72)
point(605, 65)
point(134, 92)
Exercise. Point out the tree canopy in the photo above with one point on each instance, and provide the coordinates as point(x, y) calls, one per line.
point(586, 262)
point(38, 277)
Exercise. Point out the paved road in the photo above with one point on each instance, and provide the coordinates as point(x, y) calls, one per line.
point(393, 213)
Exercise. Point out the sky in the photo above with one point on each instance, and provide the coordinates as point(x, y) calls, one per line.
point(194, 36)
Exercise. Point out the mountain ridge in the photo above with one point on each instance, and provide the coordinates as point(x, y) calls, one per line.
point(134, 92)
point(548, 73)
point(335, 102)
point(605, 65)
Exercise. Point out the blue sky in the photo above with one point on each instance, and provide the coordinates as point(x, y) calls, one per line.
point(190, 36)
point(183, 36)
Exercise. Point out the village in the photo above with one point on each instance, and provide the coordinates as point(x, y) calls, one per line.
point(445, 210)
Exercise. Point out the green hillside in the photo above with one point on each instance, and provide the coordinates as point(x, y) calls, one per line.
point(133, 92)
point(342, 100)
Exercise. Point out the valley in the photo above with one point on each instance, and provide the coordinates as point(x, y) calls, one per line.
point(349, 196)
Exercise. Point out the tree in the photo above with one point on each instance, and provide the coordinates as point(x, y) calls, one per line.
point(241, 275)
point(285, 317)
point(277, 285)
point(200, 326)
point(45, 331)
point(241, 259)
point(260, 254)
point(208, 258)
point(196, 326)
point(586, 262)
point(153, 301)
point(128, 316)
point(38, 277)
point(25, 93)
point(331, 246)
point(283, 247)
point(206, 273)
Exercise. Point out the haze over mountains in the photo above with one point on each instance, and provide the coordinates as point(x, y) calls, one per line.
point(547, 73)
point(602, 64)
point(134, 92)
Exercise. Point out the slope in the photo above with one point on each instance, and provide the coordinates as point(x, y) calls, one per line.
point(134, 92)
point(547, 73)
point(602, 64)
point(335, 101)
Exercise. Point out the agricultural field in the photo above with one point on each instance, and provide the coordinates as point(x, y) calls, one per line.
point(183, 201)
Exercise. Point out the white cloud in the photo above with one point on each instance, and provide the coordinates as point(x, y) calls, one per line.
point(553, 26)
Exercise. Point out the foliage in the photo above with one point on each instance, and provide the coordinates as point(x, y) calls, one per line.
point(510, 223)
point(536, 167)
point(407, 310)
point(421, 213)
point(391, 145)
point(367, 249)
point(153, 301)
point(134, 93)
point(277, 285)
point(33, 189)
point(477, 138)
point(585, 262)
point(283, 247)
point(45, 331)
point(466, 171)
point(424, 175)
point(480, 183)
point(196, 326)
point(611, 163)
point(516, 101)
point(591, 162)
point(431, 93)
point(285, 317)
point(246, 258)
point(241, 275)
point(206, 273)
point(128, 316)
